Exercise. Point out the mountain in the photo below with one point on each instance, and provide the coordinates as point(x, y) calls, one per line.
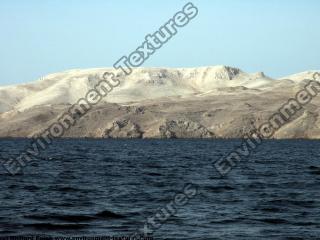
point(204, 102)
point(68, 87)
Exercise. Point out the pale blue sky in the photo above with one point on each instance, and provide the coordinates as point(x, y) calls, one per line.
point(45, 36)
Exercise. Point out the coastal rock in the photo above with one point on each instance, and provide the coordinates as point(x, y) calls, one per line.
point(123, 129)
point(183, 129)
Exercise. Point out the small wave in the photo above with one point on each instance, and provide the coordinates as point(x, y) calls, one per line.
point(273, 220)
point(316, 172)
point(220, 188)
point(109, 214)
point(305, 224)
point(6, 231)
point(67, 218)
point(270, 209)
point(31, 188)
point(286, 202)
point(51, 226)
point(314, 168)
point(66, 175)
point(227, 221)
point(65, 189)
point(153, 174)
point(70, 203)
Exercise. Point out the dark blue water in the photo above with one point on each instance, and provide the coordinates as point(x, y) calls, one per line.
point(110, 187)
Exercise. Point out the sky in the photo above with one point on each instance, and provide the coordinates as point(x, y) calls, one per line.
point(39, 37)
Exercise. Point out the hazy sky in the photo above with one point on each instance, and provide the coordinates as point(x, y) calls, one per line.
point(45, 36)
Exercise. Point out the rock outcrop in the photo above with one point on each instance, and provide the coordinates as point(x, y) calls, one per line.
point(184, 129)
point(123, 129)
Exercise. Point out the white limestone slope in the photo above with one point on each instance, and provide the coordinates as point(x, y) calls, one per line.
point(144, 83)
point(298, 77)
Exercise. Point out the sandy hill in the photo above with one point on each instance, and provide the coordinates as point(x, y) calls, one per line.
point(219, 101)
point(143, 83)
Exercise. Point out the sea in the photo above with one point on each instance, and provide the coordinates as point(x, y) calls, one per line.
point(114, 188)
